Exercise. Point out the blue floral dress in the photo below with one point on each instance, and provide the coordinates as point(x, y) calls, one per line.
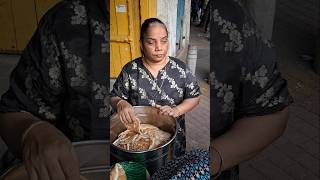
point(193, 165)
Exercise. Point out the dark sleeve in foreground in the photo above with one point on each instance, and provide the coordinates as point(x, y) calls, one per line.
point(245, 77)
point(36, 83)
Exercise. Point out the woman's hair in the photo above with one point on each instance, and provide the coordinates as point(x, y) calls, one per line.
point(147, 23)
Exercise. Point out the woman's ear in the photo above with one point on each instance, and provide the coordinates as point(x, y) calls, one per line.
point(141, 47)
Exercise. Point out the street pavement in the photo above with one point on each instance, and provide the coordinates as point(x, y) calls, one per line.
point(198, 120)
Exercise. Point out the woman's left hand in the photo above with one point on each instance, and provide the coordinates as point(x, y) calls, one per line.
point(169, 111)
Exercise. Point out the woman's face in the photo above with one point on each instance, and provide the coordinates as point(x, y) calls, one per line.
point(155, 43)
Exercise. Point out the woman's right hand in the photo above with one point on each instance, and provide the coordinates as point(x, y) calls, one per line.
point(49, 155)
point(125, 112)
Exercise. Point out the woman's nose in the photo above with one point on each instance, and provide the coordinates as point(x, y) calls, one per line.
point(158, 46)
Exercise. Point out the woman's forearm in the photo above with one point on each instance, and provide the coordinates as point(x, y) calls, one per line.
point(187, 105)
point(249, 136)
point(114, 101)
point(13, 126)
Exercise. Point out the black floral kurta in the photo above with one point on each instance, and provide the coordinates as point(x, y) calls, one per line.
point(174, 83)
point(245, 80)
point(62, 75)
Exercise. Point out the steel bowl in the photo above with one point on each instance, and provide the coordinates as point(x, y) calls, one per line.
point(152, 159)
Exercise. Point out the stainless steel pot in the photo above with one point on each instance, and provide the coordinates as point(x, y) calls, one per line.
point(152, 159)
point(93, 157)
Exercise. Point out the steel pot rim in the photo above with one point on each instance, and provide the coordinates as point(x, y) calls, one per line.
point(147, 151)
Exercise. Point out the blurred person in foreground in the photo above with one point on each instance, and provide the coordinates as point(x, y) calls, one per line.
point(58, 92)
point(249, 98)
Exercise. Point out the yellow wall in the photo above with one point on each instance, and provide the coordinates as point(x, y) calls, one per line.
point(148, 9)
point(43, 6)
point(7, 34)
point(25, 21)
point(126, 17)
point(18, 21)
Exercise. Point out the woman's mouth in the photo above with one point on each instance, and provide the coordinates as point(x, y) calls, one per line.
point(159, 55)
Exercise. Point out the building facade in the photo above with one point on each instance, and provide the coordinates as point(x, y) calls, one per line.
point(18, 21)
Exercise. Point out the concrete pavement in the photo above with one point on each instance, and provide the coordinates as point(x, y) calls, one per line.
point(198, 120)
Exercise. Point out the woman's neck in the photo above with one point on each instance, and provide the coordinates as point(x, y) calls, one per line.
point(154, 67)
point(155, 64)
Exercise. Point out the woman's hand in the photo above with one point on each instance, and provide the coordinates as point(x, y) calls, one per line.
point(49, 155)
point(184, 107)
point(169, 111)
point(125, 112)
point(215, 162)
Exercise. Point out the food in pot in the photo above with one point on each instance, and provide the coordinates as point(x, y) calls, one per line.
point(134, 126)
point(145, 138)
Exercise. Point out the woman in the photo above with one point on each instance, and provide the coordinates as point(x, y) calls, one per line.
point(157, 80)
point(249, 98)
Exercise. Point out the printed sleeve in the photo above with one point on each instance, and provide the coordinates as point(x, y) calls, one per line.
point(121, 86)
point(192, 88)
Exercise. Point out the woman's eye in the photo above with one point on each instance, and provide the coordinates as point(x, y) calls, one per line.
point(149, 42)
